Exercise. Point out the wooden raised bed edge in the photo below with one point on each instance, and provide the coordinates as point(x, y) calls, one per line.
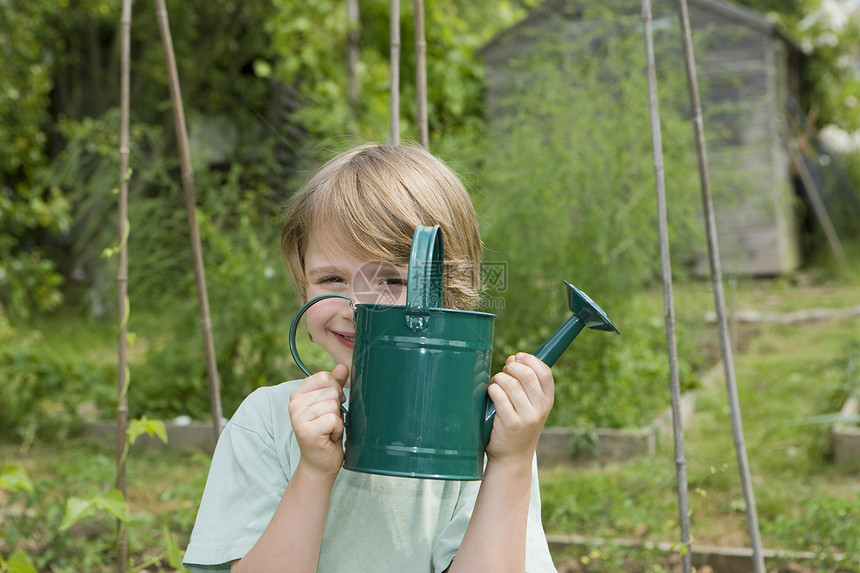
point(720, 559)
point(555, 447)
point(845, 439)
point(558, 446)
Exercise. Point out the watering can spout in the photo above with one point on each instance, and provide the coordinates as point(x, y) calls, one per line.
point(585, 313)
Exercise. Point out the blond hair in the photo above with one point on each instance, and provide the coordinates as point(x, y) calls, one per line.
point(373, 197)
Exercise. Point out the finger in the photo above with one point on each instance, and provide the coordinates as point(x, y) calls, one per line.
point(328, 426)
point(543, 371)
point(316, 381)
point(542, 381)
point(516, 393)
point(340, 373)
point(311, 411)
point(337, 433)
point(335, 379)
point(504, 408)
point(529, 394)
point(330, 392)
point(330, 397)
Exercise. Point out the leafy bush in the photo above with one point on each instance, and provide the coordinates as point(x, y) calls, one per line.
point(28, 206)
point(41, 393)
point(251, 306)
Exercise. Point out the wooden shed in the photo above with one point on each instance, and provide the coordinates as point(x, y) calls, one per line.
point(748, 71)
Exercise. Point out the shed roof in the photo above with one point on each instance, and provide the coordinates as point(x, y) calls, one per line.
point(574, 9)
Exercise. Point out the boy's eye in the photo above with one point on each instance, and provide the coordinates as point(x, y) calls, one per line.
point(394, 281)
point(331, 279)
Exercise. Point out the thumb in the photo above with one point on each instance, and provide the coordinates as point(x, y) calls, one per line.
point(340, 373)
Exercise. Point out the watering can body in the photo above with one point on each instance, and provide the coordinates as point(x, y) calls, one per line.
point(417, 397)
point(419, 377)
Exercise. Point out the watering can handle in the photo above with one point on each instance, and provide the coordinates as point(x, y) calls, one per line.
point(295, 324)
point(424, 283)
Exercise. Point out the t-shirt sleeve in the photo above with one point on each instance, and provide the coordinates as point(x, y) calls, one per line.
point(448, 542)
point(538, 557)
point(245, 484)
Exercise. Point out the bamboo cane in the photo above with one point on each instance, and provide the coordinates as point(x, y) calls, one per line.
point(122, 274)
point(719, 298)
point(668, 297)
point(190, 207)
point(352, 56)
point(394, 91)
point(421, 75)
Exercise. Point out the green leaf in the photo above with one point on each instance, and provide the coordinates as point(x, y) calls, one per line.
point(157, 427)
point(174, 554)
point(15, 477)
point(76, 509)
point(19, 562)
point(143, 425)
point(262, 68)
point(113, 502)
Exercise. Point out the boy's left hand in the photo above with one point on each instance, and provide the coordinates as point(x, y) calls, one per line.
point(523, 393)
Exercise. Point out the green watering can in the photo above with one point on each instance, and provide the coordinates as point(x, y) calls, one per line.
point(418, 403)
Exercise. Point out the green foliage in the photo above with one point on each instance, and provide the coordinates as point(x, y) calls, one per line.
point(14, 478)
point(39, 527)
point(18, 562)
point(41, 392)
point(74, 527)
point(578, 203)
point(59, 85)
point(308, 53)
point(78, 508)
point(27, 83)
point(28, 207)
point(144, 425)
point(615, 504)
point(251, 306)
point(831, 45)
point(844, 375)
point(825, 526)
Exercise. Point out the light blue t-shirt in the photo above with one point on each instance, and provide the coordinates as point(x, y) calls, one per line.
point(374, 523)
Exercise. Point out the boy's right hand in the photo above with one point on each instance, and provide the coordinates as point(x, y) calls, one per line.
point(317, 422)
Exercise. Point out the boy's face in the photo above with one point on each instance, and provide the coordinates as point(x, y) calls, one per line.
point(331, 269)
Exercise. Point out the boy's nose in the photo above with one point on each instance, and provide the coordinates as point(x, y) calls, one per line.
point(347, 309)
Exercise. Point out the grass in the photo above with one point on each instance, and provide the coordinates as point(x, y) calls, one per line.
point(784, 373)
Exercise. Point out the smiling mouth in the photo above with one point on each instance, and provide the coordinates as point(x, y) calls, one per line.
point(349, 338)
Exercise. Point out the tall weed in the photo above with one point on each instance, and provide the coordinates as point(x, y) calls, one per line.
point(567, 192)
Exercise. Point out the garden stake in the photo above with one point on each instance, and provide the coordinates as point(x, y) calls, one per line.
point(190, 208)
point(353, 37)
point(668, 298)
point(122, 277)
point(719, 299)
point(421, 74)
point(394, 88)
